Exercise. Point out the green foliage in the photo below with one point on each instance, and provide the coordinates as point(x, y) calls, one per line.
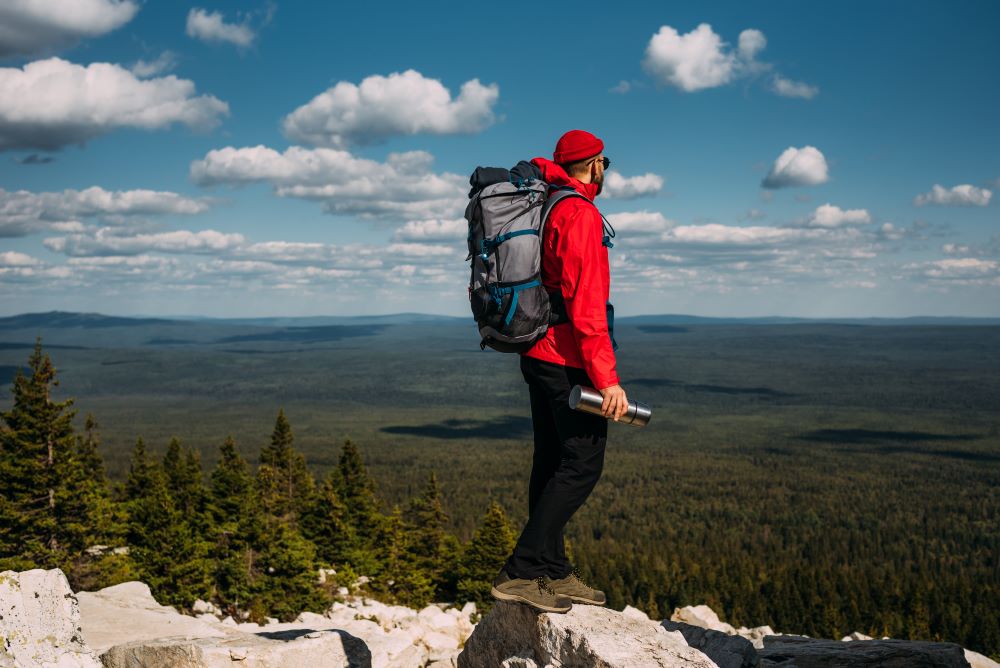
point(431, 549)
point(484, 556)
point(284, 482)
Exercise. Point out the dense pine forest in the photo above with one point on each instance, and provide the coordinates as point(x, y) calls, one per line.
point(250, 539)
point(820, 479)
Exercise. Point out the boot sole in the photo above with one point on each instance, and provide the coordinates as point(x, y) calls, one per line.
point(497, 594)
point(587, 601)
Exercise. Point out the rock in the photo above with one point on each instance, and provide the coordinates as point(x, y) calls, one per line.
point(515, 635)
point(703, 616)
point(977, 660)
point(803, 652)
point(856, 635)
point(201, 607)
point(756, 635)
point(39, 622)
point(727, 651)
point(308, 649)
point(104, 613)
point(635, 613)
point(440, 646)
point(468, 610)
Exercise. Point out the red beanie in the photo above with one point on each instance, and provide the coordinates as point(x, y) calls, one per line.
point(576, 145)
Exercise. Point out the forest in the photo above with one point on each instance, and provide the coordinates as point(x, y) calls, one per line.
point(818, 478)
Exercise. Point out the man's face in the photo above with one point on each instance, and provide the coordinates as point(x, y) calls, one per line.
point(598, 177)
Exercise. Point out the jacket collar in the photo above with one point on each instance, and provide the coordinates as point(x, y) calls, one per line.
point(555, 175)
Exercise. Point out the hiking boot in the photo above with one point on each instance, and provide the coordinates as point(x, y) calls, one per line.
point(535, 593)
point(577, 590)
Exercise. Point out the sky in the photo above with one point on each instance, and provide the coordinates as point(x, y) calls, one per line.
point(235, 159)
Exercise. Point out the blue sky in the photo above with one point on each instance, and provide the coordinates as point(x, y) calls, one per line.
point(236, 159)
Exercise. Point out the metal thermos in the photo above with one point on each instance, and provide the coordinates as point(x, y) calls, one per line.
point(589, 400)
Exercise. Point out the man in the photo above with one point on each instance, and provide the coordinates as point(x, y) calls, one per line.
point(569, 445)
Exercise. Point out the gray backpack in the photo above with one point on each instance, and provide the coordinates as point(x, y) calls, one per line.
point(506, 220)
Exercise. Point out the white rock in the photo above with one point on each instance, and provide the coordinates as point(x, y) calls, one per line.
point(229, 621)
point(469, 609)
point(856, 635)
point(201, 607)
point(312, 618)
point(977, 660)
point(756, 634)
point(585, 636)
point(635, 613)
point(703, 616)
point(39, 622)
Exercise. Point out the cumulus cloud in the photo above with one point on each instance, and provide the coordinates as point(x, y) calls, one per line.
point(404, 103)
point(621, 87)
point(434, 229)
point(617, 186)
point(30, 27)
point(212, 27)
point(788, 88)
point(23, 212)
point(106, 241)
point(804, 166)
point(403, 187)
point(829, 215)
point(640, 222)
point(16, 259)
point(700, 59)
point(52, 103)
point(692, 61)
point(959, 271)
point(963, 195)
point(165, 62)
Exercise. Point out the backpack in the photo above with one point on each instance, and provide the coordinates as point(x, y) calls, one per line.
point(506, 213)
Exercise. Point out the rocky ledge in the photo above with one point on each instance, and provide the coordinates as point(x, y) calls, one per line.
point(43, 623)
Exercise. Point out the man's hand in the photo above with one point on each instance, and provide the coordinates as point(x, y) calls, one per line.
point(615, 402)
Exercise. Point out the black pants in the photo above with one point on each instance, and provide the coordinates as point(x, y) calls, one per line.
point(567, 463)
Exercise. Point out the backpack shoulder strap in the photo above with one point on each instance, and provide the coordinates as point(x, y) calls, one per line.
point(556, 197)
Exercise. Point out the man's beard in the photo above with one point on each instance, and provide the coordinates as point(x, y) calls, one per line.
point(600, 184)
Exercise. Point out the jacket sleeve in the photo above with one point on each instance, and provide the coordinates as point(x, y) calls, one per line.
point(585, 282)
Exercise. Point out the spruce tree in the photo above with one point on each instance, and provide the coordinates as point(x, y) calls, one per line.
point(40, 474)
point(237, 520)
point(323, 523)
point(169, 555)
point(364, 522)
point(432, 549)
point(397, 575)
point(484, 556)
point(286, 485)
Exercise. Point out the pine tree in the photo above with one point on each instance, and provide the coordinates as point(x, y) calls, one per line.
point(185, 479)
point(284, 574)
point(432, 549)
point(237, 521)
point(40, 474)
point(364, 522)
point(168, 554)
point(484, 556)
point(323, 523)
point(398, 576)
point(286, 485)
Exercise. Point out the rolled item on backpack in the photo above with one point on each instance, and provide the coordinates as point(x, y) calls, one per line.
point(589, 400)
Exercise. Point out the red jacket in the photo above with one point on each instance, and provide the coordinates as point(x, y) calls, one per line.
point(575, 261)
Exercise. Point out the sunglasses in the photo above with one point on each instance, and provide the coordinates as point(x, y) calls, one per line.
point(605, 161)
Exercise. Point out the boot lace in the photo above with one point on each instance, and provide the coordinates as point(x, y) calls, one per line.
point(576, 574)
point(543, 586)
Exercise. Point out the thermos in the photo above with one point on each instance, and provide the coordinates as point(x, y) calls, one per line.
point(589, 400)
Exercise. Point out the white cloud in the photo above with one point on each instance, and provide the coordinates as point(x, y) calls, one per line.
point(751, 42)
point(700, 59)
point(23, 212)
point(404, 103)
point(617, 186)
point(165, 62)
point(961, 271)
point(212, 27)
point(621, 87)
point(804, 166)
point(788, 88)
point(828, 215)
point(105, 241)
point(717, 234)
point(52, 103)
point(963, 195)
point(16, 259)
point(30, 27)
point(403, 187)
point(433, 230)
point(693, 61)
point(640, 222)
